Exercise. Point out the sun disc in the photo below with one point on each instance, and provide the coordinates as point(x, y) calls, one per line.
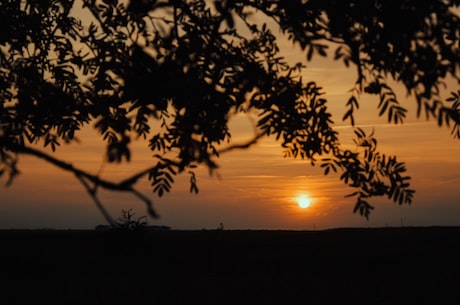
point(303, 202)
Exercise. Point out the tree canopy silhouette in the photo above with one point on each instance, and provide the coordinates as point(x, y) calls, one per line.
point(190, 65)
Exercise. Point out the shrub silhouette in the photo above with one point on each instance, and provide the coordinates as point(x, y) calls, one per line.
point(127, 222)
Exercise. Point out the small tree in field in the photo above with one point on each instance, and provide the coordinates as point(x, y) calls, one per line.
point(189, 65)
point(127, 221)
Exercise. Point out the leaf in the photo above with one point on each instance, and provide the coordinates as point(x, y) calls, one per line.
point(352, 194)
point(194, 189)
point(384, 108)
point(321, 49)
point(309, 53)
point(168, 177)
point(349, 114)
point(338, 53)
point(359, 132)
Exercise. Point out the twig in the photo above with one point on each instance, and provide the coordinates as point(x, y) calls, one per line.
point(243, 145)
point(126, 185)
point(85, 177)
point(99, 205)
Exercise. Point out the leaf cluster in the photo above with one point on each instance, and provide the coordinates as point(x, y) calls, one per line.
point(127, 222)
point(370, 173)
point(174, 73)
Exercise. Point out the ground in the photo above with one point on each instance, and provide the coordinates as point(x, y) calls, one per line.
point(341, 266)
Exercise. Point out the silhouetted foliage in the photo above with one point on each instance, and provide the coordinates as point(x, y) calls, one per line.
point(189, 65)
point(127, 222)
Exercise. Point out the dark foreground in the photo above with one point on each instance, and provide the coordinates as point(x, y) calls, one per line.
point(343, 266)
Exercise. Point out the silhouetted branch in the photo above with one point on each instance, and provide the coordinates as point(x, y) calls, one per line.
point(190, 67)
point(85, 177)
point(99, 205)
point(243, 145)
point(68, 167)
point(126, 185)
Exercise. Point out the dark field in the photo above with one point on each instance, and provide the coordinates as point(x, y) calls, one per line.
point(343, 266)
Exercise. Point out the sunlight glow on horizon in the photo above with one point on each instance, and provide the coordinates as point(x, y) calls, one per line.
point(303, 202)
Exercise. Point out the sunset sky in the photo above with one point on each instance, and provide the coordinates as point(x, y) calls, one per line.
point(255, 188)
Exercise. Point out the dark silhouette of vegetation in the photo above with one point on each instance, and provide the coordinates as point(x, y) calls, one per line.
point(127, 222)
point(189, 65)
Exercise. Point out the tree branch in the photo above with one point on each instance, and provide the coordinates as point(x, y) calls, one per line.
point(99, 205)
point(126, 185)
point(85, 177)
point(252, 141)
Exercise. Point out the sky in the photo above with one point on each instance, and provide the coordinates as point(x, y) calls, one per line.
point(254, 188)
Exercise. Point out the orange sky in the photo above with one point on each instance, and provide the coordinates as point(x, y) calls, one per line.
point(256, 186)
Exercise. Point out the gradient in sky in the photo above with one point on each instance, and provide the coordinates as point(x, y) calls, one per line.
point(254, 188)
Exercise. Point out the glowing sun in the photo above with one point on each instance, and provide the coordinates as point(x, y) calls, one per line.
point(303, 202)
